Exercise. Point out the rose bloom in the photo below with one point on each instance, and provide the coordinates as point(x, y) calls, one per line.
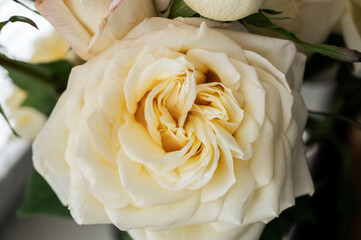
point(53, 48)
point(311, 20)
point(92, 26)
point(351, 28)
point(185, 129)
point(26, 121)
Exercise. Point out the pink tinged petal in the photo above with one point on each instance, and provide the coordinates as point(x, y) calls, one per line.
point(84, 207)
point(121, 18)
point(60, 16)
point(88, 12)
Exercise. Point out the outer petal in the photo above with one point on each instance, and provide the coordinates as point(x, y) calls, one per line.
point(351, 29)
point(92, 26)
point(225, 10)
point(311, 20)
point(214, 231)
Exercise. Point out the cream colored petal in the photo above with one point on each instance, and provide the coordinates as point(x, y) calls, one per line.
point(162, 216)
point(141, 187)
point(262, 161)
point(239, 196)
point(223, 178)
point(226, 10)
point(182, 39)
point(318, 19)
point(267, 201)
point(49, 158)
point(351, 30)
point(27, 121)
point(146, 74)
point(302, 179)
point(201, 232)
point(84, 208)
point(269, 48)
point(140, 147)
point(101, 179)
point(224, 70)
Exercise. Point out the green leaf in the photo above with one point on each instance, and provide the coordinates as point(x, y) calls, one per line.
point(270, 11)
point(338, 117)
point(41, 200)
point(337, 53)
point(7, 121)
point(18, 19)
point(42, 82)
point(180, 9)
point(121, 235)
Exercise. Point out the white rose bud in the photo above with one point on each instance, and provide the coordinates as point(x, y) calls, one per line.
point(52, 48)
point(351, 28)
point(311, 20)
point(186, 129)
point(26, 121)
point(92, 26)
point(224, 10)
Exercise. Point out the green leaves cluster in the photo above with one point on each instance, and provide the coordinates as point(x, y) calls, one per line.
point(338, 53)
point(43, 82)
point(40, 199)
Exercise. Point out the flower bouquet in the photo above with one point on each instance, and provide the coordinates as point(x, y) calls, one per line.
point(175, 119)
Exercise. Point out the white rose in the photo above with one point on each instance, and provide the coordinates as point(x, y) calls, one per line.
point(182, 130)
point(351, 28)
point(225, 10)
point(26, 121)
point(92, 26)
point(311, 20)
point(52, 48)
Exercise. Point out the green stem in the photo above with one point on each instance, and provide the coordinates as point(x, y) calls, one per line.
point(8, 122)
point(338, 117)
point(40, 75)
